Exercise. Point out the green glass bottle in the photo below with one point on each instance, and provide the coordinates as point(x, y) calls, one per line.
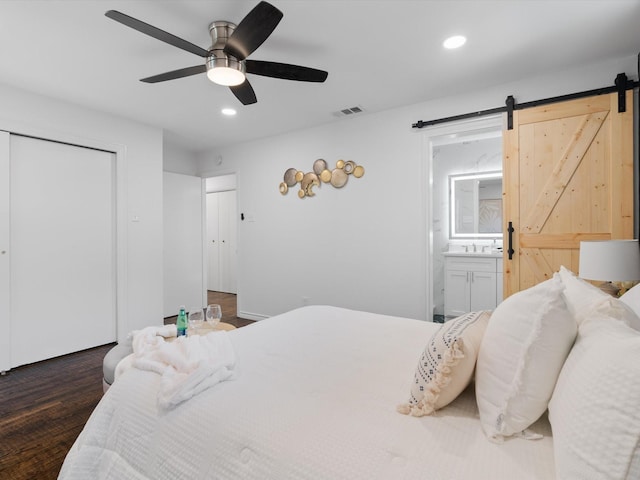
point(181, 324)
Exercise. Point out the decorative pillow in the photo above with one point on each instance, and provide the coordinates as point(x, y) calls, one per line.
point(527, 341)
point(446, 365)
point(579, 294)
point(594, 410)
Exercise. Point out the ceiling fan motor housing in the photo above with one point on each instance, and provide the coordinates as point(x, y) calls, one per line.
point(220, 32)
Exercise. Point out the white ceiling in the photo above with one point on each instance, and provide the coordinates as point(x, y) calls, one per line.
point(379, 55)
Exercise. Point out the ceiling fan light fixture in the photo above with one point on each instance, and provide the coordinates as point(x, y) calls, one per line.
point(226, 76)
point(225, 70)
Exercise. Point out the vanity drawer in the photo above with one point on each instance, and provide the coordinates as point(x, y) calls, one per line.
point(471, 263)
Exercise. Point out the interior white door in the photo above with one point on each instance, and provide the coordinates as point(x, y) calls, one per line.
point(5, 324)
point(62, 234)
point(213, 243)
point(183, 236)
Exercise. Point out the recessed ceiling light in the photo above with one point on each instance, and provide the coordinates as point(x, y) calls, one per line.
point(230, 112)
point(454, 42)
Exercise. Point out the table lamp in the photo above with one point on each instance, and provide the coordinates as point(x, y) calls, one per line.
point(614, 262)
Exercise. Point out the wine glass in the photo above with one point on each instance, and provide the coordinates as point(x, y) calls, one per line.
point(196, 320)
point(214, 314)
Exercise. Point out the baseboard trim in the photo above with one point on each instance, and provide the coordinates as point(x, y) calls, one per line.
point(252, 316)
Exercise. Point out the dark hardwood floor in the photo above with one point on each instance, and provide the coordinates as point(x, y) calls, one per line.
point(44, 406)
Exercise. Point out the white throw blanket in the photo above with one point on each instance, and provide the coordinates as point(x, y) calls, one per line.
point(187, 365)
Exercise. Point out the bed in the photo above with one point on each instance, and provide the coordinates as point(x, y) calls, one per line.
point(314, 395)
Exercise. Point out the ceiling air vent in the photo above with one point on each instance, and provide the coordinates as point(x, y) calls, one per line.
point(348, 111)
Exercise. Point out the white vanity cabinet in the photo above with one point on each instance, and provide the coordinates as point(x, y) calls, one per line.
point(471, 282)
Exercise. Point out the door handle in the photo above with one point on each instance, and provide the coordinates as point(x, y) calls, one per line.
point(510, 230)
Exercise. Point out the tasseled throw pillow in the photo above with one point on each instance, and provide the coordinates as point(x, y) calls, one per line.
point(446, 365)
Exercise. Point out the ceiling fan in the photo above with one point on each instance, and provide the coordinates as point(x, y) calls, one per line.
point(226, 60)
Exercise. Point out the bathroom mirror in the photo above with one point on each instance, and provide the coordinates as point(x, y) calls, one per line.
point(475, 205)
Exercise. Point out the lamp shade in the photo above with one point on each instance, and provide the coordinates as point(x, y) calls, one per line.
point(610, 260)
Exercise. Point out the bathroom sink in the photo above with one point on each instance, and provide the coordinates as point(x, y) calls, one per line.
point(479, 252)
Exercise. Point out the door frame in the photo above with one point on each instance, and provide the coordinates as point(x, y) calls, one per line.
point(432, 136)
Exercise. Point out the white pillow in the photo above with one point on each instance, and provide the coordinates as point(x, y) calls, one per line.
point(446, 366)
point(579, 294)
point(595, 407)
point(527, 340)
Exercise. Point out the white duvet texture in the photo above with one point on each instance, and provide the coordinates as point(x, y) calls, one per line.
point(314, 399)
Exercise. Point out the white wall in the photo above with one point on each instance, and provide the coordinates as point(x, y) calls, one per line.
point(176, 158)
point(364, 246)
point(327, 248)
point(183, 243)
point(139, 190)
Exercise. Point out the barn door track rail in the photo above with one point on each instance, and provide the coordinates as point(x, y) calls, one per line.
point(621, 85)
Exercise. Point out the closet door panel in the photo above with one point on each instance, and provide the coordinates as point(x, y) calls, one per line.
point(63, 249)
point(5, 324)
point(228, 226)
point(213, 243)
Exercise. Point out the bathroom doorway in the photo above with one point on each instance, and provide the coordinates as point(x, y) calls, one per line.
point(471, 148)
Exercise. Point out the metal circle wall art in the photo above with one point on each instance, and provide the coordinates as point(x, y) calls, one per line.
point(321, 173)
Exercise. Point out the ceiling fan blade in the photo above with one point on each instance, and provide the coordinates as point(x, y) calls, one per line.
point(244, 92)
point(285, 71)
point(254, 29)
point(156, 33)
point(183, 72)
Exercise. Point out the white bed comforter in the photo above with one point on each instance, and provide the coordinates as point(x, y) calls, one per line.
point(315, 398)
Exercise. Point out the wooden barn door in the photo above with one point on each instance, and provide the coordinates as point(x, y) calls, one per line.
point(568, 176)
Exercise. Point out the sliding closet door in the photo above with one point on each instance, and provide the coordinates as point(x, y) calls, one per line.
point(62, 249)
point(568, 176)
point(5, 339)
